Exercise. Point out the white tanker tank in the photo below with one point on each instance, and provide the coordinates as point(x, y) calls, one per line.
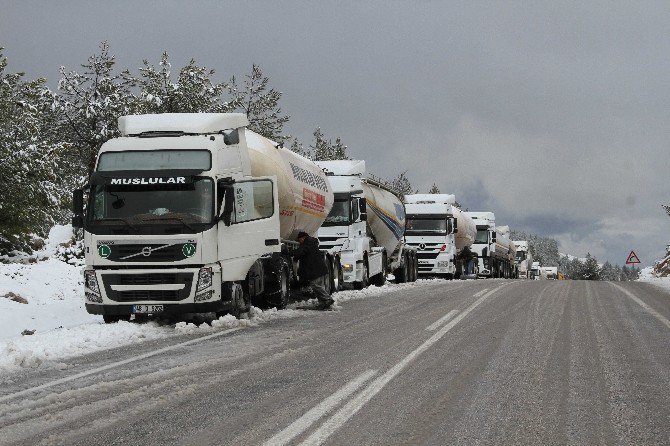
point(504, 247)
point(386, 216)
point(467, 230)
point(305, 195)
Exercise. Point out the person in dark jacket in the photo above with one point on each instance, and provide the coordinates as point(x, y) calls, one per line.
point(312, 268)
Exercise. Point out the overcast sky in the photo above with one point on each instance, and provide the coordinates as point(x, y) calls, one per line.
point(554, 116)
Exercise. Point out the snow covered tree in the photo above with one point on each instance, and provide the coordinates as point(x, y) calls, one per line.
point(434, 189)
point(666, 208)
point(193, 91)
point(32, 193)
point(89, 104)
point(297, 147)
point(323, 149)
point(608, 272)
point(260, 103)
point(402, 184)
point(591, 270)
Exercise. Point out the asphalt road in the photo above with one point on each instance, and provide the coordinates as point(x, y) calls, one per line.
point(476, 362)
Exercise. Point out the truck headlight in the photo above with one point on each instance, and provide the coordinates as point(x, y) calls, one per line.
point(91, 281)
point(204, 278)
point(347, 268)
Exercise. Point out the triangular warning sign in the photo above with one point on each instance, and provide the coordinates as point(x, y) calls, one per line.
point(632, 258)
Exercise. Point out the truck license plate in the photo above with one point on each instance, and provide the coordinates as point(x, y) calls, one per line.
point(147, 309)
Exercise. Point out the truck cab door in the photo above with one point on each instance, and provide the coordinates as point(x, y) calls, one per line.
point(249, 224)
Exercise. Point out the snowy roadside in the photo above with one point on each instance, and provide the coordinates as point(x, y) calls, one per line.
point(61, 327)
point(646, 275)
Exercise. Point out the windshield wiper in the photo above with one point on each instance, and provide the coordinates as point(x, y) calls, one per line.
point(134, 228)
point(179, 219)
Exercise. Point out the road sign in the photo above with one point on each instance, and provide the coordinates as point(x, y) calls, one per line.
point(632, 258)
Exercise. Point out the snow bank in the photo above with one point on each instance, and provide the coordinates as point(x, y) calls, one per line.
point(650, 276)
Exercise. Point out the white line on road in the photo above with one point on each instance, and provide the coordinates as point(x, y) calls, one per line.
point(348, 410)
point(639, 301)
point(481, 292)
point(435, 325)
point(313, 415)
point(115, 364)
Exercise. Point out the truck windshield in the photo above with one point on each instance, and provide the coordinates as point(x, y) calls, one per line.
point(340, 214)
point(133, 205)
point(520, 256)
point(433, 225)
point(482, 235)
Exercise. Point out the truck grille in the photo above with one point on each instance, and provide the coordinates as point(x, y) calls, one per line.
point(151, 252)
point(427, 255)
point(148, 279)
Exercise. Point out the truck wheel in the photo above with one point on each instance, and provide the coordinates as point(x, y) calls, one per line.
point(402, 272)
point(366, 278)
point(338, 278)
point(112, 318)
point(279, 297)
point(415, 267)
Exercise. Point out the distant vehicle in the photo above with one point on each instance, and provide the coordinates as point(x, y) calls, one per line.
point(192, 213)
point(495, 251)
point(524, 258)
point(550, 272)
point(365, 229)
point(440, 232)
point(535, 271)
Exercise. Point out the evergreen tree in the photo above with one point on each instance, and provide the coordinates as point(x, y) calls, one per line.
point(591, 270)
point(607, 272)
point(323, 149)
point(402, 185)
point(32, 193)
point(434, 189)
point(260, 103)
point(193, 91)
point(89, 105)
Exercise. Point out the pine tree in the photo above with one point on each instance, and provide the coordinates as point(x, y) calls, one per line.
point(323, 149)
point(591, 269)
point(434, 189)
point(402, 185)
point(32, 192)
point(607, 272)
point(193, 91)
point(260, 103)
point(89, 105)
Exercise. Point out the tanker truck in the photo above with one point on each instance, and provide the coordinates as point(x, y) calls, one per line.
point(440, 231)
point(495, 251)
point(365, 229)
point(524, 258)
point(193, 213)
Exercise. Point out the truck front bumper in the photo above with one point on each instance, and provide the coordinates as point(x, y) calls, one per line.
point(203, 307)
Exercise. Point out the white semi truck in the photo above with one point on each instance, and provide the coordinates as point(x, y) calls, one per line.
point(192, 213)
point(550, 272)
point(495, 251)
point(440, 232)
point(365, 229)
point(524, 258)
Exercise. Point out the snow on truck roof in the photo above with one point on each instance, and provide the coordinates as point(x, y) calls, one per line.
point(343, 167)
point(430, 199)
point(181, 122)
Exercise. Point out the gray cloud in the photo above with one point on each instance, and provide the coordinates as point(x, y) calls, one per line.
point(552, 115)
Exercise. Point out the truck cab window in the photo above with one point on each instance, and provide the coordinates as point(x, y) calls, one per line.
point(253, 200)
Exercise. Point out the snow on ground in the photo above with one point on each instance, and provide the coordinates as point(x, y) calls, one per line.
point(62, 327)
point(647, 275)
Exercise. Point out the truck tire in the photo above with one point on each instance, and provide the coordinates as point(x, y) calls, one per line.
point(279, 295)
point(112, 318)
point(338, 276)
point(366, 278)
point(328, 283)
point(415, 266)
point(402, 272)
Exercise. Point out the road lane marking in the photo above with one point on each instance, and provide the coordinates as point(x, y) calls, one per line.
point(115, 364)
point(435, 325)
point(340, 417)
point(481, 292)
point(640, 302)
point(317, 412)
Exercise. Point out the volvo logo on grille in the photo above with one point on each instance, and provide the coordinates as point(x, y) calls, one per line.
point(146, 251)
point(422, 246)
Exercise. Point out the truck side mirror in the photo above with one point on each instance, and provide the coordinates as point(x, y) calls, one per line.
point(493, 237)
point(78, 208)
point(455, 225)
point(231, 137)
point(228, 204)
point(363, 205)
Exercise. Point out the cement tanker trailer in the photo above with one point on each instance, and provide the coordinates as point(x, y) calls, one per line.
point(195, 213)
point(494, 249)
point(365, 229)
point(440, 231)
